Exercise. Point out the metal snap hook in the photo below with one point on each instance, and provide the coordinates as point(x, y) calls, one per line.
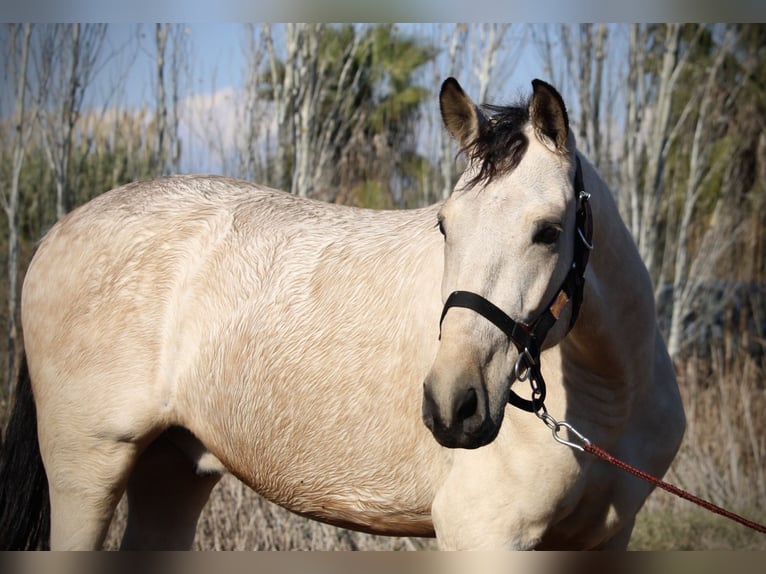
point(562, 424)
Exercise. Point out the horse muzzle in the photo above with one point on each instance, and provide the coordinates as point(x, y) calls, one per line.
point(458, 415)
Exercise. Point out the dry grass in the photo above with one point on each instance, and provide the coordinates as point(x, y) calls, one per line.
point(721, 459)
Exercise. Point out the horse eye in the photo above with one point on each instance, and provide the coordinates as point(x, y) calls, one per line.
point(548, 235)
point(440, 225)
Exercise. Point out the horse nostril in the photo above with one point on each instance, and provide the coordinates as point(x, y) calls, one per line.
point(428, 409)
point(468, 407)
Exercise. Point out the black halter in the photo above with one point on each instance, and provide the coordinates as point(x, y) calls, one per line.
point(529, 338)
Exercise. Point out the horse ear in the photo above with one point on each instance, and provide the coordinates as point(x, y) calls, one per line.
point(549, 114)
point(462, 118)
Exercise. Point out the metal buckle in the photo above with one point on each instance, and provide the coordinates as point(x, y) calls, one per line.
point(588, 244)
point(526, 356)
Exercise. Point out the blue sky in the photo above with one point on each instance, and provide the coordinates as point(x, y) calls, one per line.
point(217, 54)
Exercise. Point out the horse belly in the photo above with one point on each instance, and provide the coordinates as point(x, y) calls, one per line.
point(327, 429)
point(338, 472)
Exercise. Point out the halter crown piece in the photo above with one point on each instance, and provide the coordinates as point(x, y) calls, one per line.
point(529, 338)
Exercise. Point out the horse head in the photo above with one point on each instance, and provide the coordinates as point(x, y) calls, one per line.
point(510, 243)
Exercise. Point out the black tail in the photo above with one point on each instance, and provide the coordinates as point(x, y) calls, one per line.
point(24, 504)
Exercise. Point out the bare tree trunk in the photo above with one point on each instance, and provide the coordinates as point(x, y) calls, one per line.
point(283, 97)
point(656, 149)
point(342, 116)
point(542, 39)
point(303, 180)
point(446, 158)
point(493, 36)
point(595, 128)
point(582, 80)
point(634, 141)
point(68, 120)
point(161, 112)
point(699, 156)
point(11, 199)
point(65, 68)
point(178, 62)
point(322, 108)
point(254, 58)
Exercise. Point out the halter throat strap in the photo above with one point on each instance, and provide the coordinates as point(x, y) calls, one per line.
point(529, 338)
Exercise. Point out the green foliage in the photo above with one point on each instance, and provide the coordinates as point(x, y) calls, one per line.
point(394, 108)
point(394, 61)
point(370, 194)
point(365, 78)
point(732, 126)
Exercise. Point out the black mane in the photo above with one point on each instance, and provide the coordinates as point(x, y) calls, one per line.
point(500, 145)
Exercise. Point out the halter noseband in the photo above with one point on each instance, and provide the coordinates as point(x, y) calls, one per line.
point(529, 338)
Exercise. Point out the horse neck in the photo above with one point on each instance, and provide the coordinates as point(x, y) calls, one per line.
point(614, 334)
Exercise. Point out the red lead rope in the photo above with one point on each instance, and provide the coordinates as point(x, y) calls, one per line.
point(602, 454)
point(584, 444)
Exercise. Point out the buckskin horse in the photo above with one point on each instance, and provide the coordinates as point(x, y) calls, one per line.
point(184, 327)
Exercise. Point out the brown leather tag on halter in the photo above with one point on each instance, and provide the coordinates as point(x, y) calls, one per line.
point(558, 304)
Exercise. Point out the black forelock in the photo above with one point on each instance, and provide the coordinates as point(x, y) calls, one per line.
point(501, 144)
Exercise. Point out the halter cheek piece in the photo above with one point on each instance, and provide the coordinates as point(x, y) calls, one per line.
point(529, 338)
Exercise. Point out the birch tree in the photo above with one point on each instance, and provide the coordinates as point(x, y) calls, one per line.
point(65, 66)
point(283, 88)
point(342, 96)
point(254, 114)
point(456, 42)
point(662, 131)
point(169, 65)
point(576, 57)
point(488, 44)
point(591, 73)
point(721, 161)
point(547, 44)
point(17, 59)
point(628, 191)
point(161, 108)
point(308, 158)
point(657, 146)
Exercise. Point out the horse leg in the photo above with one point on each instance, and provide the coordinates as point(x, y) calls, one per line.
point(166, 493)
point(85, 487)
point(471, 512)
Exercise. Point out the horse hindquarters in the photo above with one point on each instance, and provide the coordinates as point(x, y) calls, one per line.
point(24, 503)
point(73, 512)
point(89, 469)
